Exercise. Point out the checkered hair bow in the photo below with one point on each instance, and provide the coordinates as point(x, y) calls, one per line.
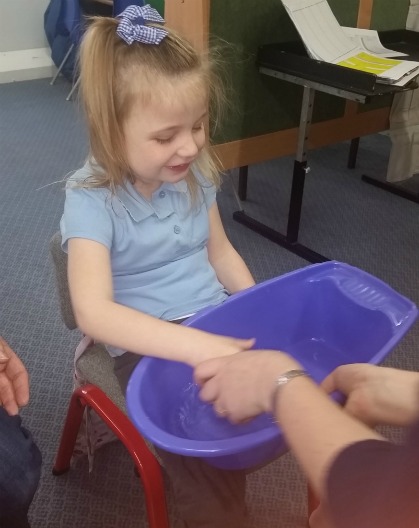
point(133, 25)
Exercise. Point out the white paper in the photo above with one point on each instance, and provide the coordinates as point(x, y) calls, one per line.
point(319, 29)
point(407, 78)
point(369, 40)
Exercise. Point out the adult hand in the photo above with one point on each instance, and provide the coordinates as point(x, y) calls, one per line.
point(14, 380)
point(377, 395)
point(242, 386)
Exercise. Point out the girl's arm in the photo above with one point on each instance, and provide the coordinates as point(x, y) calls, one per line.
point(100, 317)
point(231, 270)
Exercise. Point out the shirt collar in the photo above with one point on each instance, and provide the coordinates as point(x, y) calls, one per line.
point(139, 208)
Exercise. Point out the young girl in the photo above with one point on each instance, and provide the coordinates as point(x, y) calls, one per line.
point(146, 246)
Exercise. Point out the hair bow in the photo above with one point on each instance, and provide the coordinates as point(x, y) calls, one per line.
point(133, 25)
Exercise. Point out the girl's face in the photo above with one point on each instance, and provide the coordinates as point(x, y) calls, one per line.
point(164, 137)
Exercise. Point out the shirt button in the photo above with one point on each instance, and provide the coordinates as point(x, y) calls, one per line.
point(162, 194)
point(176, 229)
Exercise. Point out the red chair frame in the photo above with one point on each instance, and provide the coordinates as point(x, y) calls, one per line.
point(145, 462)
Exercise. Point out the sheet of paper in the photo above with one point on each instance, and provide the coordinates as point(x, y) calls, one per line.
point(319, 29)
point(369, 40)
point(407, 78)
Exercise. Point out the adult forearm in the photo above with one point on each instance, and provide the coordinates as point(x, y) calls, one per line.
point(316, 428)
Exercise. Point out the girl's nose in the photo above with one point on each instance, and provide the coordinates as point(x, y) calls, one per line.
point(189, 147)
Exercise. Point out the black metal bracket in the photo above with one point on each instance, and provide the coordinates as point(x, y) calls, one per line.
point(392, 188)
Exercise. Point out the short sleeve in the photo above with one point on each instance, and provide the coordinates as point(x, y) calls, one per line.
point(208, 189)
point(209, 194)
point(87, 215)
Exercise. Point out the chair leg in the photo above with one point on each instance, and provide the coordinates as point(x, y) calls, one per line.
point(145, 462)
point(73, 89)
point(243, 174)
point(69, 434)
point(61, 66)
point(353, 153)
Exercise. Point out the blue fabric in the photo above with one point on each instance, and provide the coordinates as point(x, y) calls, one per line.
point(20, 470)
point(121, 5)
point(59, 37)
point(158, 249)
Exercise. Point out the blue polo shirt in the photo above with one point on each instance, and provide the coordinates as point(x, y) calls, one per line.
point(158, 248)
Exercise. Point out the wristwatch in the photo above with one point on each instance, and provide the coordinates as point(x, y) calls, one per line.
point(283, 380)
point(290, 375)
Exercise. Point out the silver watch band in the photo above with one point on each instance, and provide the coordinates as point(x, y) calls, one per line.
point(283, 380)
point(290, 375)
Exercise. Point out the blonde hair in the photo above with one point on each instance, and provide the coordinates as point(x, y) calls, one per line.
point(109, 87)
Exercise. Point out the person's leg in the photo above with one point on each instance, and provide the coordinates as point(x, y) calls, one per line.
point(20, 471)
point(206, 497)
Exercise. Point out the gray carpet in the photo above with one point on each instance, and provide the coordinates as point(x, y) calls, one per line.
point(42, 138)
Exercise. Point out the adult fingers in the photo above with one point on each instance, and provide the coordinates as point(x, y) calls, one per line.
point(343, 378)
point(18, 376)
point(14, 381)
point(7, 396)
point(208, 369)
point(4, 356)
point(209, 391)
point(21, 388)
point(235, 411)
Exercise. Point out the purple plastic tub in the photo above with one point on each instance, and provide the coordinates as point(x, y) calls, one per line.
point(324, 315)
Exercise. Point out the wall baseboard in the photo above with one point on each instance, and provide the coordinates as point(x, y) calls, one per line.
point(25, 65)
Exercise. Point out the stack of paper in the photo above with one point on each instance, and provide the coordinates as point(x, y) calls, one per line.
point(327, 41)
point(369, 40)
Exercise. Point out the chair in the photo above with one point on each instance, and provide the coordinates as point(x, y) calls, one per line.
point(104, 396)
point(73, 23)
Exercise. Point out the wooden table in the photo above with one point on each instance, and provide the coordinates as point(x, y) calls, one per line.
point(289, 62)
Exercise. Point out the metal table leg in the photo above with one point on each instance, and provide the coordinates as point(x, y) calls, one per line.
point(353, 153)
point(290, 240)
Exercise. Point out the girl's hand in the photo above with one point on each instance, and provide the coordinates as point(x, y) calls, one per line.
point(207, 346)
point(377, 395)
point(243, 385)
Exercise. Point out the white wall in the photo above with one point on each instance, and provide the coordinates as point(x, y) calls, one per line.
point(22, 24)
point(24, 49)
